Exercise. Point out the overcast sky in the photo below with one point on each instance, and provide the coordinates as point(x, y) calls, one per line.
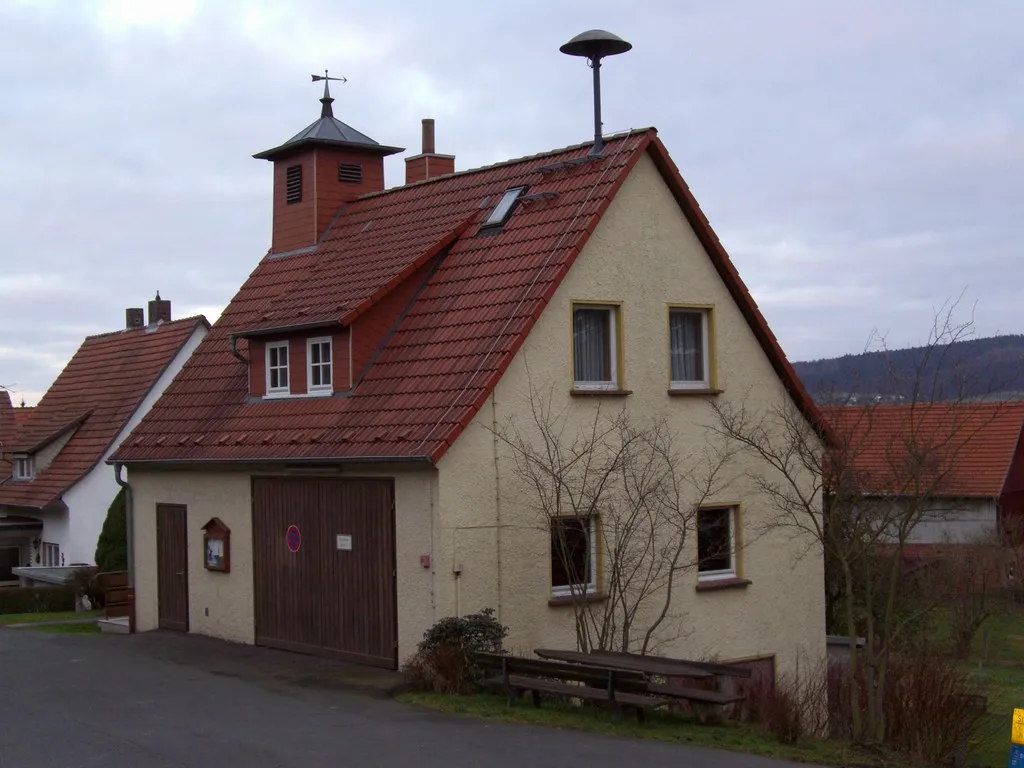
point(862, 160)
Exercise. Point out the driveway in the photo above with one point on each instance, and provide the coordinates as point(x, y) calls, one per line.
point(165, 700)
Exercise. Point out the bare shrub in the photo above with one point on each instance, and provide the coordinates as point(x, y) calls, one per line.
point(626, 484)
point(792, 708)
point(930, 706)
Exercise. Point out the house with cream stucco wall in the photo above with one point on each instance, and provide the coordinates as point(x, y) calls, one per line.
point(326, 474)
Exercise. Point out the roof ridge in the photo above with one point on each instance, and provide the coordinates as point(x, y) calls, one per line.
point(511, 161)
point(190, 318)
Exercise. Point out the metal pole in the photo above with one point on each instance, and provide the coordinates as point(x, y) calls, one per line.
point(598, 140)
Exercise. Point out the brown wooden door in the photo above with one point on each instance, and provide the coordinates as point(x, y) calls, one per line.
point(172, 566)
point(324, 567)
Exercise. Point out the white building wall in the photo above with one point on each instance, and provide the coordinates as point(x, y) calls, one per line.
point(963, 521)
point(77, 530)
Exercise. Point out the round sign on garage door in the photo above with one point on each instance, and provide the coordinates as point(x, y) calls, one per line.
point(293, 538)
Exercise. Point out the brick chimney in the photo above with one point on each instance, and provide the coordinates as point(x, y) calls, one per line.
point(325, 165)
point(159, 310)
point(428, 164)
point(134, 317)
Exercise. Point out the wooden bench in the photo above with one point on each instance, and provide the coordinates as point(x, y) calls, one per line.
point(707, 705)
point(617, 689)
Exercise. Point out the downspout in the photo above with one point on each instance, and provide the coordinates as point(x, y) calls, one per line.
point(235, 352)
point(497, 496)
point(129, 521)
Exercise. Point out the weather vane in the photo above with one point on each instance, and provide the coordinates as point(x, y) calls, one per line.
point(327, 100)
point(318, 78)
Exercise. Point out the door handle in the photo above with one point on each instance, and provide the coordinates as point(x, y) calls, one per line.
point(181, 573)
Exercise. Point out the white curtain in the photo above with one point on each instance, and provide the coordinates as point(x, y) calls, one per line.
point(592, 344)
point(686, 331)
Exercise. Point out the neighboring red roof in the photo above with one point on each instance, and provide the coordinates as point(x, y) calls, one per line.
point(21, 414)
point(95, 395)
point(961, 449)
point(453, 342)
point(7, 430)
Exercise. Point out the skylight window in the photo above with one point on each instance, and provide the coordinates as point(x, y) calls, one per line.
point(499, 215)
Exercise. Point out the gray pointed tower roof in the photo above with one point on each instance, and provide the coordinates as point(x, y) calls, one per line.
point(327, 131)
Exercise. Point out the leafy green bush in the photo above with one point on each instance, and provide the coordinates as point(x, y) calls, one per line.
point(444, 658)
point(37, 599)
point(112, 547)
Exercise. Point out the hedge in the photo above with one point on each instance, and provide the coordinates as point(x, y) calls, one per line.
point(37, 599)
point(112, 547)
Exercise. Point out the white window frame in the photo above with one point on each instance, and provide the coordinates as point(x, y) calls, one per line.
point(570, 590)
point(320, 389)
point(24, 468)
point(50, 554)
point(705, 316)
point(286, 389)
point(613, 341)
point(732, 571)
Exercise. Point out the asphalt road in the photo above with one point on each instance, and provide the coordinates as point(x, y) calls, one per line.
point(69, 701)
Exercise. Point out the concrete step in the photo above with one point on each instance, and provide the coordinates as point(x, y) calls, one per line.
point(116, 626)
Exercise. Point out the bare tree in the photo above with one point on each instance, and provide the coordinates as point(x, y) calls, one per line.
point(875, 482)
point(625, 483)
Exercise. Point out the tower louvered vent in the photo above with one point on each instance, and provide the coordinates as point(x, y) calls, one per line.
point(293, 184)
point(351, 173)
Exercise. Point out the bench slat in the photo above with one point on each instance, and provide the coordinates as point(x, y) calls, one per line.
point(724, 670)
point(694, 694)
point(585, 673)
point(526, 683)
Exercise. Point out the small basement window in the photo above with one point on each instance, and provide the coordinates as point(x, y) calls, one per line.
point(499, 215)
point(350, 173)
point(293, 184)
point(277, 368)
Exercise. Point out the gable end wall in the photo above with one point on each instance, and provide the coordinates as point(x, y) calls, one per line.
point(645, 255)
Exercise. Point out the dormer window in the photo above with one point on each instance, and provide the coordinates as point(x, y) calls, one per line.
point(24, 468)
point(318, 353)
point(499, 215)
point(277, 368)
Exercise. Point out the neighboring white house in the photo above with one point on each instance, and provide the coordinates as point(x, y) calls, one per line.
point(55, 495)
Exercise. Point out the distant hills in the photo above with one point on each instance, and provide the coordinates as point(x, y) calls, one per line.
point(990, 368)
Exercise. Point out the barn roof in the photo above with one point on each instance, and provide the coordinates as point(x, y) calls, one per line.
point(939, 449)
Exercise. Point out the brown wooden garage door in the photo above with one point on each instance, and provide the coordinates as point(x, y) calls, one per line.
point(324, 567)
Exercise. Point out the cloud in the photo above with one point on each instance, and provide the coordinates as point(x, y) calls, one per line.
point(861, 162)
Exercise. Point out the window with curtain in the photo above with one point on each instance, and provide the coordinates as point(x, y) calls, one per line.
point(594, 347)
point(688, 347)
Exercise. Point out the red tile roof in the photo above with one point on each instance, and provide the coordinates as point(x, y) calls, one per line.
point(961, 449)
point(455, 339)
point(95, 395)
point(21, 414)
point(7, 429)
